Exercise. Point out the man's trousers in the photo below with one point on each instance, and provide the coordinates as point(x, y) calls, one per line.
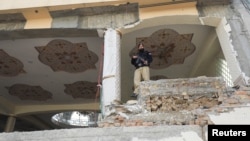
point(140, 74)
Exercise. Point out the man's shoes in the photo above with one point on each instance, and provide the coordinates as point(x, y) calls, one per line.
point(134, 95)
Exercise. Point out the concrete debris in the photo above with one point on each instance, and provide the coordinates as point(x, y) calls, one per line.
point(176, 102)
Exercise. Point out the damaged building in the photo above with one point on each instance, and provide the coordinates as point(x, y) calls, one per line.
point(65, 70)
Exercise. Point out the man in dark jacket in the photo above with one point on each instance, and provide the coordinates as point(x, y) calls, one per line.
point(141, 61)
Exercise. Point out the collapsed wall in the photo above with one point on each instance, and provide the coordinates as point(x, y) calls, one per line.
point(183, 101)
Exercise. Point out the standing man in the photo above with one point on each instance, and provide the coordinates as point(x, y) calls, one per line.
point(141, 60)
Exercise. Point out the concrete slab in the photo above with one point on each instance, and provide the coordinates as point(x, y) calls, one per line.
point(238, 115)
point(142, 133)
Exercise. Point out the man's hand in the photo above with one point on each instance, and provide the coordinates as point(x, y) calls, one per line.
point(134, 56)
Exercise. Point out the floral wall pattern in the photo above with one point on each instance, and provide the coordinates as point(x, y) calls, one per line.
point(167, 46)
point(82, 89)
point(9, 66)
point(27, 92)
point(62, 55)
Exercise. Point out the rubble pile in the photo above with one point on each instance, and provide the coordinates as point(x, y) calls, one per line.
point(175, 102)
point(178, 103)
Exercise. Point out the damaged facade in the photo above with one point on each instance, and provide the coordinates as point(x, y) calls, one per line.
point(78, 53)
point(176, 102)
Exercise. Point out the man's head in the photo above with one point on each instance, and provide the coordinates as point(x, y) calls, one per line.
point(140, 47)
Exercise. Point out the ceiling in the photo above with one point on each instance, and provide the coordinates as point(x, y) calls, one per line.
point(46, 71)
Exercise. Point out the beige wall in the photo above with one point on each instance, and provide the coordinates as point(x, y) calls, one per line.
point(61, 4)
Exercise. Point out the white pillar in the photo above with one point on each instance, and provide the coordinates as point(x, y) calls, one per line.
point(9, 127)
point(111, 69)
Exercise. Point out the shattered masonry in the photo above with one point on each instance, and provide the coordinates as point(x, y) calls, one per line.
point(176, 102)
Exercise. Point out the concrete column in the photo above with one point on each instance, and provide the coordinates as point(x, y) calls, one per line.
point(9, 127)
point(111, 69)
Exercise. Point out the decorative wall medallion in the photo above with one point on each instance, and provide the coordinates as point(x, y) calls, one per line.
point(167, 46)
point(62, 55)
point(82, 89)
point(27, 92)
point(9, 66)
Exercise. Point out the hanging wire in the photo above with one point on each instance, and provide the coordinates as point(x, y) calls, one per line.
point(99, 84)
